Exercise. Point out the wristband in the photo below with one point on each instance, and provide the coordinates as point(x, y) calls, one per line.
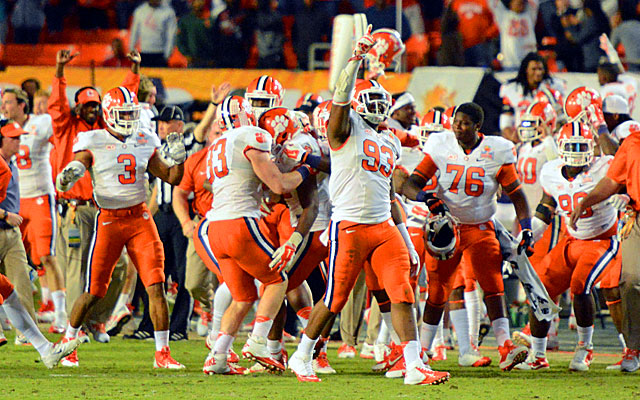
point(312, 161)
point(424, 196)
point(304, 171)
point(525, 223)
point(214, 104)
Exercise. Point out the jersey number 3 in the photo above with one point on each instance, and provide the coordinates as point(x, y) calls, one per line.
point(129, 175)
point(372, 161)
point(218, 159)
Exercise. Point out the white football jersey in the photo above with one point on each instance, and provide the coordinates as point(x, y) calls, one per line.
point(626, 86)
point(286, 164)
point(237, 190)
point(517, 35)
point(32, 160)
point(625, 129)
point(417, 212)
point(361, 170)
point(598, 218)
point(119, 168)
point(530, 162)
point(512, 94)
point(468, 182)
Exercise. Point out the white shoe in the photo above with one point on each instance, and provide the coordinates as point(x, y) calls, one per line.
point(473, 358)
point(218, 364)
point(302, 366)
point(631, 361)
point(423, 375)
point(321, 364)
point(367, 351)
point(582, 357)
point(203, 325)
point(21, 340)
point(380, 351)
point(58, 351)
point(256, 349)
point(99, 332)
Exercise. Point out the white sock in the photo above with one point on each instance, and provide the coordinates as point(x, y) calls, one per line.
point(622, 341)
point(472, 304)
point(22, 321)
point(439, 339)
point(221, 302)
point(501, 330)
point(71, 332)
point(46, 295)
point(162, 339)
point(307, 345)
point(553, 327)
point(411, 352)
point(427, 334)
point(460, 321)
point(223, 343)
point(262, 326)
point(386, 317)
point(274, 346)
point(539, 346)
point(59, 300)
point(585, 334)
point(303, 316)
point(383, 334)
point(122, 301)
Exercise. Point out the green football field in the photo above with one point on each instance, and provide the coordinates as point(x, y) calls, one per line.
point(123, 370)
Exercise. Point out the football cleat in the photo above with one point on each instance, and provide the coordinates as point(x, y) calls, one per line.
point(539, 363)
point(57, 329)
point(346, 351)
point(423, 375)
point(256, 350)
point(282, 356)
point(204, 322)
point(257, 368)
point(390, 360)
point(99, 332)
point(522, 337)
point(321, 364)
point(164, 360)
point(303, 368)
point(617, 365)
point(440, 353)
point(397, 371)
point(380, 351)
point(117, 321)
point(367, 351)
point(46, 312)
point(631, 361)
point(58, 351)
point(21, 340)
point(582, 357)
point(473, 358)
point(70, 360)
point(511, 355)
point(221, 366)
point(139, 335)
point(232, 357)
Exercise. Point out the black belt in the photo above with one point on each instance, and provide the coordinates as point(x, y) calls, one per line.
point(76, 202)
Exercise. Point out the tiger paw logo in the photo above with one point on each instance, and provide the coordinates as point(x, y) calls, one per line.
point(279, 124)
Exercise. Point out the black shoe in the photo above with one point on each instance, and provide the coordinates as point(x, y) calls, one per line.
point(139, 335)
point(177, 336)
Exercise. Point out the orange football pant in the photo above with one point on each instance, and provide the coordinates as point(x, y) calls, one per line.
point(39, 226)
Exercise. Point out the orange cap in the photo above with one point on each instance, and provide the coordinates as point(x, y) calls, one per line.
point(88, 95)
point(12, 130)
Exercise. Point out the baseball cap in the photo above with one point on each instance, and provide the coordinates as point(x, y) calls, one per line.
point(615, 104)
point(170, 113)
point(12, 129)
point(87, 95)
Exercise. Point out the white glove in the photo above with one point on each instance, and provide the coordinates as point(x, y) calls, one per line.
point(295, 152)
point(284, 258)
point(70, 175)
point(363, 45)
point(176, 150)
point(619, 201)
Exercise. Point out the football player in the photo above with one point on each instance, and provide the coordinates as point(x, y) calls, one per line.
point(580, 258)
point(263, 93)
point(363, 233)
point(118, 158)
point(471, 167)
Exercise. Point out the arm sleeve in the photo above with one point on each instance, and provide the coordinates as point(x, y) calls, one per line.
point(426, 169)
point(618, 168)
point(507, 175)
point(58, 106)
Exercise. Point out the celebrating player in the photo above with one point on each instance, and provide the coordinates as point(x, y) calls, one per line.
point(119, 158)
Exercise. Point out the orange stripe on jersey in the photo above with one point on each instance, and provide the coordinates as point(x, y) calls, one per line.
point(507, 175)
point(427, 168)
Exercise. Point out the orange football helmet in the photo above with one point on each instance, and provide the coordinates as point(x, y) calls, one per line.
point(576, 144)
point(263, 93)
point(280, 123)
point(385, 53)
point(536, 121)
point(321, 119)
point(433, 121)
point(371, 101)
point(121, 111)
point(579, 100)
point(234, 112)
point(551, 96)
point(308, 100)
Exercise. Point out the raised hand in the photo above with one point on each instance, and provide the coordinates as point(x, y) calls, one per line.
point(363, 45)
point(64, 56)
point(217, 95)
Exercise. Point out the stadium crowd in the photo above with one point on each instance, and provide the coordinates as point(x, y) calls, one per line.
point(278, 34)
point(115, 203)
